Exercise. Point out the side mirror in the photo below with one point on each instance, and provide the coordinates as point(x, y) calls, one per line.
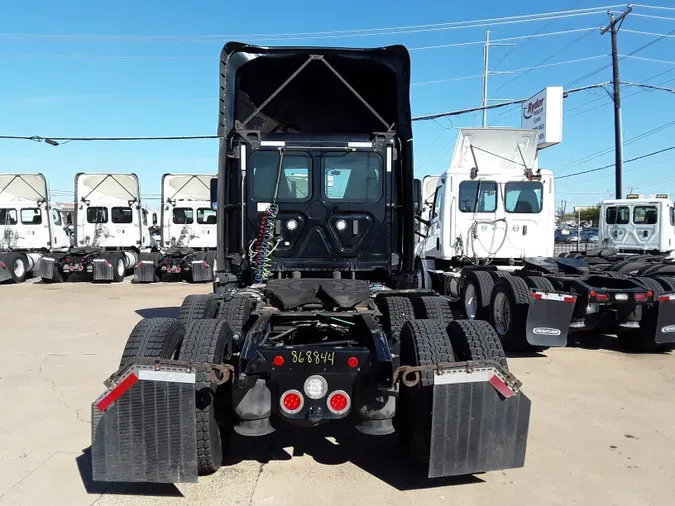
point(417, 196)
point(154, 218)
point(214, 193)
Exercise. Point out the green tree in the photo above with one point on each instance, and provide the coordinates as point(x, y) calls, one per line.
point(592, 214)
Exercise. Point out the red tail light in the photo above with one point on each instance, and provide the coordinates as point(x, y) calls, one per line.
point(353, 362)
point(569, 299)
point(339, 402)
point(278, 361)
point(641, 296)
point(666, 298)
point(537, 296)
point(600, 297)
point(176, 270)
point(291, 401)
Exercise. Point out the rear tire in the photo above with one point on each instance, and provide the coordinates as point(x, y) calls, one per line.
point(17, 265)
point(476, 294)
point(119, 268)
point(236, 311)
point(396, 311)
point(476, 340)
point(210, 342)
point(154, 338)
point(539, 283)
point(423, 342)
point(434, 308)
point(197, 307)
point(508, 312)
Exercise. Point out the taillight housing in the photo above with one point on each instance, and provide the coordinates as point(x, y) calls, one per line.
point(641, 297)
point(291, 402)
point(339, 402)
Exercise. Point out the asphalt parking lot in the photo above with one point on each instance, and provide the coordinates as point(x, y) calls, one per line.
point(602, 429)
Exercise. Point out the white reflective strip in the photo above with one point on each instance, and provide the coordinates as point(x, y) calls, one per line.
point(553, 296)
point(667, 297)
point(47, 259)
point(389, 150)
point(359, 144)
point(262, 206)
point(100, 260)
point(173, 376)
point(461, 376)
point(147, 262)
point(273, 144)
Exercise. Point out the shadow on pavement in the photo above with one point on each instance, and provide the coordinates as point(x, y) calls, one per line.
point(158, 312)
point(380, 456)
point(97, 488)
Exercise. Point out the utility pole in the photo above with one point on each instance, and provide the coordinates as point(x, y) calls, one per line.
point(486, 53)
point(613, 28)
point(486, 72)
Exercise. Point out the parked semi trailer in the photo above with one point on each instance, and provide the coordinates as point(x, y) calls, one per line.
point(312, 318)
point(488, 246)
point(30, 226)
point(110, 230)
point(187, 248)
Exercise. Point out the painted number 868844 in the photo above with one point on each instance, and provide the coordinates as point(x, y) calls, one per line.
point(313, 357)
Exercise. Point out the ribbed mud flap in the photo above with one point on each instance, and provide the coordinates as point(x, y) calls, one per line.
point(145, 272)
point(103, 270)
point(475, 429)
point(665, 326)
point(201, 271)
point(144, 430)
point(47, 266)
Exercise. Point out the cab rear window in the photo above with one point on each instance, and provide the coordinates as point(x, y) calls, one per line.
point(617, 215)
point(645, 215)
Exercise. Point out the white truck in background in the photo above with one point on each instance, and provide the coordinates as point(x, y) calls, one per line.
point(30, 226)
point(638, 224)
point(187, 249)
point(110, 230)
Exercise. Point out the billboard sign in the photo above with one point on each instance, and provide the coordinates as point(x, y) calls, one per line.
point(543, 113)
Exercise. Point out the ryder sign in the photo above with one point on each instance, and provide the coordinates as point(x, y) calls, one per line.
point(543, 113)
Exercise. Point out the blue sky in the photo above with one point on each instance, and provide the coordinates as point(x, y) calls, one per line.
point(55, 86)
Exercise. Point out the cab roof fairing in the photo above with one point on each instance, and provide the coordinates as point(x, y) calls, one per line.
point(107, 188)
point(186, 187)
point(23, 189)
point(314, 100)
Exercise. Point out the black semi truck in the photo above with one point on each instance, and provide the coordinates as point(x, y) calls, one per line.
point(315, 315)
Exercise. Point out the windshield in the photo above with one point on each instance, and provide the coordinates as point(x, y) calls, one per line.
point(295, 179)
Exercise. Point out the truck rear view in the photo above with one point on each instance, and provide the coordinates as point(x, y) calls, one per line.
point(314, 317)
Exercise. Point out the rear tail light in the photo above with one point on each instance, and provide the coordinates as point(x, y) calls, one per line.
point(353, 362)
point(315, 387)
point(80, 268)
point(666, 298)
point(554, 296)
point(176, 270)
point(621, 296)
point(339, 402)
point(642, 296)
point(2, 264)
point(291, 402)
point(278, 361)
point(537, 296)
point(600, 297)
point(72, 268)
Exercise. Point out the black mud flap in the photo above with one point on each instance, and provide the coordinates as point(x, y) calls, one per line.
point(143, 427)
point(665, 326)
point(4, 274)
point(478, 424)
point(103, 270)
point(144, 272)
point(201, 271)
point(47, 266)
point(548, 319)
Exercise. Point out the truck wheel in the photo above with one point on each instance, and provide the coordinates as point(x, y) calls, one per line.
point(396, 311)
point(431, 307)
point(508, 312)
point(236, 311)
point(650, 284)
point(667, 282)
point(476, 294)
point(632, 268)
point(210, 342)
point(423, 342)
point(154, 338)
point(539, 283)
point(476, 340)
point(614, 274)
point(17, 265)
point(197, 307)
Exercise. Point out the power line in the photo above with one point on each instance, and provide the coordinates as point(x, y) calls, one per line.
point(55, 141)
point(655, 60)
point(648, 86)
point(368, 32)
point(660, 36)
point(654, 7)
point(650, 16)
point(647, 155)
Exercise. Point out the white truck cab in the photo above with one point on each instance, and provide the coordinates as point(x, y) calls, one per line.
point(493, 202)
point(187, 218)
point(638, 224)
point(30, 225)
